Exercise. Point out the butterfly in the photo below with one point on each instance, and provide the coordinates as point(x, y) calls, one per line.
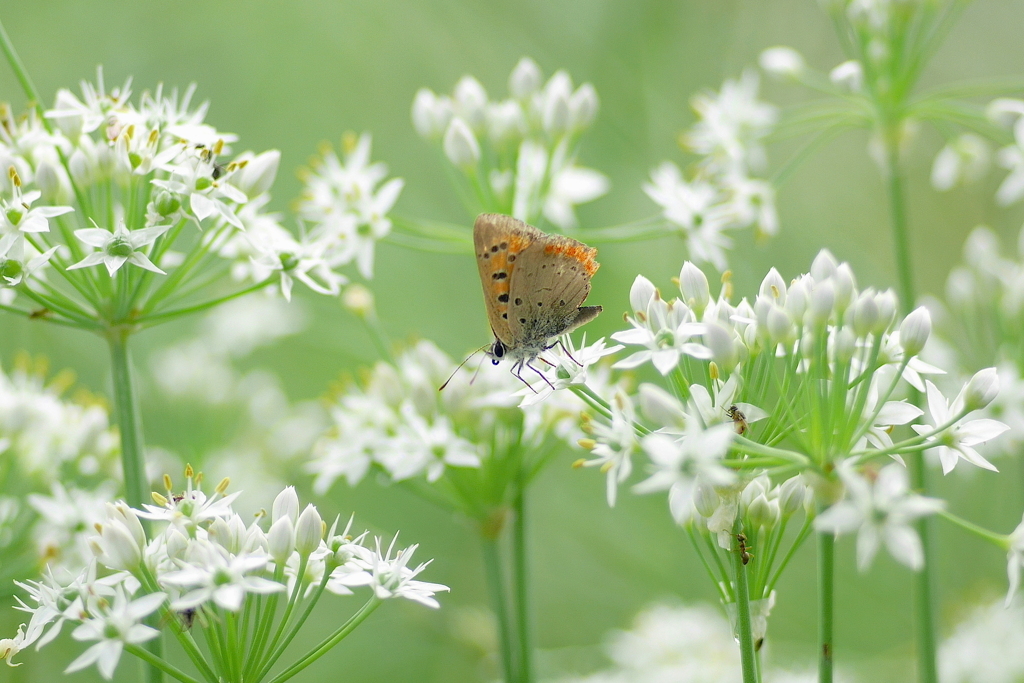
point(534, 287)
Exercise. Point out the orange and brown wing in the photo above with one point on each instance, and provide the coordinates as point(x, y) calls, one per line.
point(498, 241)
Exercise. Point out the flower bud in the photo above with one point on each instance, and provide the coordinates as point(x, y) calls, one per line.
point(286, 505)
point(470, 102)
point(661, 407)
point(723, 347)
point(887, 304)
point(693, 285)
point(555, 115)
point(982, 389)
point(308, 530)
point(914, 331)
point(782, 61)
point(791, 495)
point(864, 314)
point(823, 266)
point(763, 513)
point(583, 107)
point(845, 345)
point(773, 287)
point(505, 122)
point(845, 285)
point(460, 146)
point(123, 513)
point(705, 500)
point(221, 534)
point(754, 488)
point(848, 76)
point(176, 543)
point(823, 298)
point(797, 296)
point(116, 547)
point(779, 325)
point(640, 295)
point(525, 79)
point(281, 540)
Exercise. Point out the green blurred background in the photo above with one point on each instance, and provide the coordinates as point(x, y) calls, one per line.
point(289, 75)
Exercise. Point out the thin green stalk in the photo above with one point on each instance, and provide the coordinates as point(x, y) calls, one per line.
point(148, 657)
point(129, 419)
point(294, 631)
point(496, 587)
point(329, 642)
point(281, 625)
point(746, 636)
point(522, 594)
point(999, 539)
point(826, 603)
point(178, 312)
point(924, 593)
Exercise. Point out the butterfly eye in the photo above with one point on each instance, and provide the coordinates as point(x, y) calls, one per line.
point(498, 351)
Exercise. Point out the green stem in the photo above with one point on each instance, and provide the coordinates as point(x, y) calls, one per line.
point(496, 587)
point(329, 642)
point(999, 539)
point(923, 580)
point(522, 595)
point(129, 419)
point(148, 657)
point(160, 317)
point(746, 636)
point(826, 603)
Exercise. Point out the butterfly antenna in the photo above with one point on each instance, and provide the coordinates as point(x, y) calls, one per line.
point(477, 371)
point(460, 367)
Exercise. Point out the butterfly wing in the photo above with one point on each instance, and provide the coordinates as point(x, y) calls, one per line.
point(499, 242)
point(552, 280)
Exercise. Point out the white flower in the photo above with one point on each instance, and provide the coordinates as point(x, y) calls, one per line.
point(114, 626)
point(119, 247)
point(614, 444)
point(390, 577)
point(880, 512)
point(782, 61)
point(190, 508)
point(677, 464)
point(957, 441)
point(213, 574)
point(566, 365)
point(348, 209)
point(426, 447)
point(664, 328)
point(9, 647)
point(460, 145)
point(570, 185)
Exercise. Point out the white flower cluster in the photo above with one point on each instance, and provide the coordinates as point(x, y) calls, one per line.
point(802, 379)
point(399, 421)
point(723, 192)
point(979, 324)
point(202, 562)
point(135, 174)
point(63, 454)
point(347, 208)
point(519, 153)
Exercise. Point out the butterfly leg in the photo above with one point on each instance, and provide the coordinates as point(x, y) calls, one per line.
point(565, 351)
point(542, 376)
point(517, 371)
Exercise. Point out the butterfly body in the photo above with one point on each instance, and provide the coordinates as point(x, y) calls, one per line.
point(534, 286)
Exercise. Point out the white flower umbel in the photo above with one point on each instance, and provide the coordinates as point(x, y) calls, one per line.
point(881, 512)
point(347, 203)
point(563, 365)
point(119, 247)
point(204, 569)
point(985, 647)
point(518, 155)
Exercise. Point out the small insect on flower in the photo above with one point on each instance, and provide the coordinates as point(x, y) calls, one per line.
point(743, 548)
point(739, 421)
point(534, 287)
